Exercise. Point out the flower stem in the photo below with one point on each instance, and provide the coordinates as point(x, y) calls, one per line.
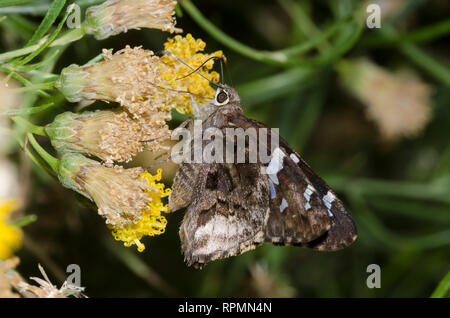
point(282, 57)
point(68, 37)
point(269, 57)
point(25, 221)
point(419, 57)
point(51, 161)
point(29, 127)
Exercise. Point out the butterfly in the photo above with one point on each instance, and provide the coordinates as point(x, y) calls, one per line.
point(234, 207)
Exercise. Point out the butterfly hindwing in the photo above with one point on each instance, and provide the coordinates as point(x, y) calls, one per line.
point(227, 214)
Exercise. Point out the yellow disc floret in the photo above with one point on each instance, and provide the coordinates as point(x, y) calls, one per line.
point(152, 221)
point(179, 77)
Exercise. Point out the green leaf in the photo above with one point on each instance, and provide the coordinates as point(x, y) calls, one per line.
point(19, 25)
point(47, 22)
point(7, 3)
point(443, 288)
point(27, 111)
point(46, 44)
point(26, 220)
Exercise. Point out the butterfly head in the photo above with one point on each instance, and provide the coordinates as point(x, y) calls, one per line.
point(225, 95)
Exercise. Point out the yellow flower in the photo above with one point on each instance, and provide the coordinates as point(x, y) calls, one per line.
point(10, 236)
point(152, 221)
point(142, 82)
point(175, 74)
point(129, 199)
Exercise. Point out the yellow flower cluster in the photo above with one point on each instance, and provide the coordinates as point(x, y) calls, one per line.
point(152, 221)
point(180, 77)
point(10, 236)
point(147, 87)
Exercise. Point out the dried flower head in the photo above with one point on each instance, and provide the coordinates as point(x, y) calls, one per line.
point(142, 82)
point(120, 194)
point(9, 278)
point(47, 290)
point(399, 103)
point(152, 221)
point(108, 135)
point(116, 16)
point(10, 236)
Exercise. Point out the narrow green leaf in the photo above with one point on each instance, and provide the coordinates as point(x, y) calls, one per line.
point(7, 3)
point(27, 111)
point(26, 220)
point(46, 44)
point(19, 25)
point(443, 288)
point(47, 22)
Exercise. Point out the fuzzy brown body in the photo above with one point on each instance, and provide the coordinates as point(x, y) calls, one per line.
point(233, 207)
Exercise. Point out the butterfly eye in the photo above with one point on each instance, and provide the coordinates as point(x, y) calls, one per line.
point(222, 98)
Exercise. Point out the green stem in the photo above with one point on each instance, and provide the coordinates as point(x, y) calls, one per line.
point(412, 190)
point(33, 87)
point(29, 127)
point(282, 57)
point(28, 111)
point(224, 38)
point(303, 22)
point(419, 57)
point(52, 161)
point(429, 64)
point(70, 36)
point(443, 288)
point(31, 155)
point(424, 34)
point(25, 221)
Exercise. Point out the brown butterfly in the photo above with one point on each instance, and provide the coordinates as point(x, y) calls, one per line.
point(234, 207)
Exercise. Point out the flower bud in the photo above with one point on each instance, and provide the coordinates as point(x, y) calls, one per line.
point(399, 103)
point(108, 135)
point(118, 193)
point(129, 199)
point(116, 16)
point(142, 82)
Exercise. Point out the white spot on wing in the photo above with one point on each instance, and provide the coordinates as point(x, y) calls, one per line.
point(328, 200)
point(307, 194)
point(294, 158)
point(275, 165)
point(273, 193)
point(283, 205)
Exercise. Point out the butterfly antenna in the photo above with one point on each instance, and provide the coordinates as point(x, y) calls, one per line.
point(228, 72)
point(222, 60)
point(187, 65)
point(198, 68)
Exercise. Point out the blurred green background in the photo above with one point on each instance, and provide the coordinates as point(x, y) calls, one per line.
point(398, 191)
